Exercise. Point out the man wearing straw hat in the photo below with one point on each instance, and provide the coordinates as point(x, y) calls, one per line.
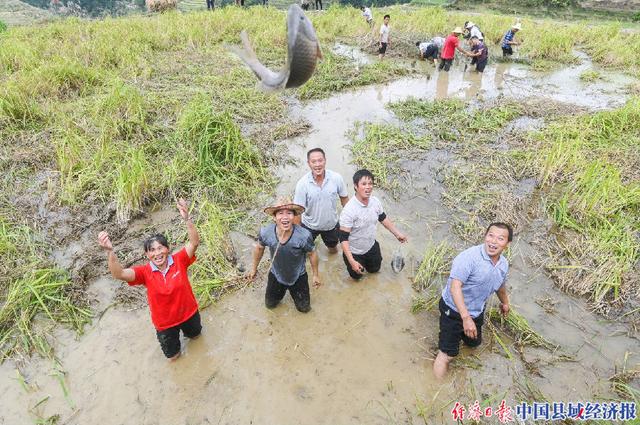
point(451, 43)
point(509, 40)
point(288, 245)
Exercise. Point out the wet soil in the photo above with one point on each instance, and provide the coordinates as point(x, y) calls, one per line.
point(359, 356)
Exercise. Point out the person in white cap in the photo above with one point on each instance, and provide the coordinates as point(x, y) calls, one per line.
point(473, 31)
point(509, 40)
point(288, 244)
point(451, 43)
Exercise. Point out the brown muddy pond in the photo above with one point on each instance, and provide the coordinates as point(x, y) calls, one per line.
point(360, 356)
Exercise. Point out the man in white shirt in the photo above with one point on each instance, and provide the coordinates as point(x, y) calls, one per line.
point(384, 36)
point(368, 16)
point(473, 31)
point(318, 192)
point(358, 222)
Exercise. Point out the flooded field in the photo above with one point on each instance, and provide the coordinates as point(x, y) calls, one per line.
point(360, 356)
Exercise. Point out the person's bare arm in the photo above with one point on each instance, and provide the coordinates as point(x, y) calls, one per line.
point(116, 269)
point(463, 51)
point(344, 200)
point(388, 224)
point(313, 259)
point(357, 267)
point(194, 238)
point(504, 300)
point(258, 251)
point(458, 299)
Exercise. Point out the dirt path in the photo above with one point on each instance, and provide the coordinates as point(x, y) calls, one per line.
point(360, 356)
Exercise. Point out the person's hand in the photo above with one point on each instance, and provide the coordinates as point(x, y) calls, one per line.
point(402, 237)
point(316, 281)
point(183, 208)
point(505, 309)
point(469, 327)
point(357, 267)
point(104, 241)
point(251, 274)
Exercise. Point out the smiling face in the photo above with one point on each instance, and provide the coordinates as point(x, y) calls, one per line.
point(284, 219)
point(495, 241)
point(317, 163)
point(364, 188)
point(158, 255)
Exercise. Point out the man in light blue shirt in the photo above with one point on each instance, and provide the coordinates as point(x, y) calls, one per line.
point(318, 192)
point(476, 273)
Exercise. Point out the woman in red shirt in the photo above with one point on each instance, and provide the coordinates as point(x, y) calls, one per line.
point(172, 303)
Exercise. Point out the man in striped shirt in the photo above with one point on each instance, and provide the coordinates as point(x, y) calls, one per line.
point(509, 40)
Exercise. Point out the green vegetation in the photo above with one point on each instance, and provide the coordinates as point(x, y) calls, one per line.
point(519, 329)
point(590, 76)
point(3, 26)
point(430, 277)
point(31, 287)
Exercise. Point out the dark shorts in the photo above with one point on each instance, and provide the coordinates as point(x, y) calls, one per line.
point(507, 51)
point(431, 52)
point(371, 261)
point(383, 48)
point(299, 292)
point(329, 237)
point(170, 338)
point(452, 331)
point(481, 64)
point(445, 64)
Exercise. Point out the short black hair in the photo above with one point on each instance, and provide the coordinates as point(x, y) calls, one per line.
point(158, 237)
point(315, 150)
point(360, 174)
point(475, 37)
point(501, 225)
point(386, 16)
point(361, 7)
point(417, 43)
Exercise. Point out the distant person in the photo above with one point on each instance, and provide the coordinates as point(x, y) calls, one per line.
point(358, 221)
point(429, 50)
point(318, 192)
point(451, 43)
point(509, 40)
point(476, 273)
point(210, 5)
point(368, 15)
point(319, 2)
point(239, 2)
point(384, 36)
point(172, 304)
point(288, 245)
point(265, 3)
point(473, 31)
point(304, 4)
point(479, 53)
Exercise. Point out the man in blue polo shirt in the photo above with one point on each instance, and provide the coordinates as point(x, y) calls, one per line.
point(476, 273)
point(318, 192)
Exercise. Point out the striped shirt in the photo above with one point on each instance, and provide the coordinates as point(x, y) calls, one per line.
point(507, 38)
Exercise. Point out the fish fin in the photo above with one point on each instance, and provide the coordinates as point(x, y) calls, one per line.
point(320, 56)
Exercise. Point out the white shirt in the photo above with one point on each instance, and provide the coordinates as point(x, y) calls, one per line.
point(475, 32)
point(367, 14)
point(438, 41)
point(423, 46)
point(320, 202)
point(362, 220)
point(384, 33)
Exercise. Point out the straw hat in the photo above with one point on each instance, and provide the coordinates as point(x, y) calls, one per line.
point(284, 203)
point(469, 25)
point(516, 26)
point(457, 30)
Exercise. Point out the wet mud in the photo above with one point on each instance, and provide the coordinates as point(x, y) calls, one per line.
point(359, 356)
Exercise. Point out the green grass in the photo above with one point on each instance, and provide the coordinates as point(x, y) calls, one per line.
point(590, 76)
point(435, 264)
point(519, 329)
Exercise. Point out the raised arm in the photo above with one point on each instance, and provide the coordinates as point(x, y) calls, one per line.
point(192, 232)
point(116, 269)
point(388, 224)
point(467, 321)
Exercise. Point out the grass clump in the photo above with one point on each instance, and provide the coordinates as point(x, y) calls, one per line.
point(429, 278)
point(519, 329)
point(32, 288)
point(381, 147)
point(590, 76)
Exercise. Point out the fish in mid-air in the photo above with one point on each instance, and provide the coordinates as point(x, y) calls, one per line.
point(303, 54)
point(397, 262)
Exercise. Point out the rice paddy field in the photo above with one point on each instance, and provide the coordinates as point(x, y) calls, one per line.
point(105, 123)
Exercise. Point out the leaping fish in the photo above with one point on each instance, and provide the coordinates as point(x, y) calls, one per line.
point(303, 54)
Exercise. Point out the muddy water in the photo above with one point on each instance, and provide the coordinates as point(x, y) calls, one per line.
point(359, 356)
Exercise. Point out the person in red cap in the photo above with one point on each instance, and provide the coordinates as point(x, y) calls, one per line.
point(172, 303)
point(288, 245)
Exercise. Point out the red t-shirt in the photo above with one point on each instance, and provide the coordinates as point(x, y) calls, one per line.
point(449, 48)
point(170, 297)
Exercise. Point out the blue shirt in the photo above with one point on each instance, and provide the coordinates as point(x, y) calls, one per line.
point(288, 262)
point(508, 37)
point(320, 202)
point(479, 276)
